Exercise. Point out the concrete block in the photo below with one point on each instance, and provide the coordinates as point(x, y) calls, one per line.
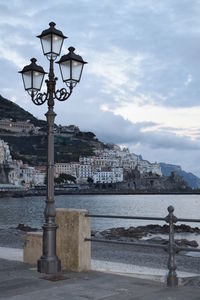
point(73, 227)
point(73, 251)
point(32, 247)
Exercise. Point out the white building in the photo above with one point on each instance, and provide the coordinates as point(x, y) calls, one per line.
point(156, 169)
point(85, 171)
point(144, 166)
point(5, 156)
point(28, 174)
point(39, 176)
point(15, 175)
point(19, 174)
point(89, 160)
point(67, 168)
point(108, 175)
point(23, 174)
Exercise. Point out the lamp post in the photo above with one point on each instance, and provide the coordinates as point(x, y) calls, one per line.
point(71, 67)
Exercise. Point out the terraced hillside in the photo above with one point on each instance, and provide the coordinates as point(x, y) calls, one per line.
point(32, 148)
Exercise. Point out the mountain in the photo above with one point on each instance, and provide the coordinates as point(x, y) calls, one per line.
point(10, 110)
point(32, 148)
point(192, 180)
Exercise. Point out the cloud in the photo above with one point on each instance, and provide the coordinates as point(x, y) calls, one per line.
point(188, 80)
point(141, 86)
point(115, 69)
point(183, 121)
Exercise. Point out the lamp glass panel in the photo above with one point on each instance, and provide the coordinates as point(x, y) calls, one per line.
point(57, 43)
point(27, 78)
point(37, 80)
point(76, 70)
point(46, 43)
point(65, 70)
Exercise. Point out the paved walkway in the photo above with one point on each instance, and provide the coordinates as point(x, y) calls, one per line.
point(130, 270)
point(19, 282)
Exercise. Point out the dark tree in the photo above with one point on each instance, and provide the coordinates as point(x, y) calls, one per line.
point(65, 177)
point(90, 180)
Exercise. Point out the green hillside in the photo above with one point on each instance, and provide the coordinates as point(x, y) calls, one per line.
point(10, 110)
point(32, 149)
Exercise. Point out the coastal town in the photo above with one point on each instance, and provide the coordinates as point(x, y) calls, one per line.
point(106, 165)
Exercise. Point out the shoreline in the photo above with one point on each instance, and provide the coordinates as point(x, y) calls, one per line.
point(29, 193)
point(150, 233)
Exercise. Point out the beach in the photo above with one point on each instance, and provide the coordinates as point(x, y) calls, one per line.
point(118, 254)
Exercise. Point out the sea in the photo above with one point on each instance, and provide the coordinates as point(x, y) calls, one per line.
point(30, 210)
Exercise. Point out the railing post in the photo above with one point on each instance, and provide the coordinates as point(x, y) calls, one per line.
point(172, 279)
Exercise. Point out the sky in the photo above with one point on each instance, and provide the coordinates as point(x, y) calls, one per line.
point(141, 86)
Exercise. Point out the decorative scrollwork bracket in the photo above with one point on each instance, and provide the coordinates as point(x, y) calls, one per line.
point(39, 98)
point(63, 94)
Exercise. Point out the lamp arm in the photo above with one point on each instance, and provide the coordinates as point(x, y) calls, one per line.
point(39, 98)
point(63, 94)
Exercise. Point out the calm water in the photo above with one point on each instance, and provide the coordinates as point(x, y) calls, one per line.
point(30, 210)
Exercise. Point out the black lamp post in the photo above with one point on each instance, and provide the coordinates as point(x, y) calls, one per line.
point(71, 66)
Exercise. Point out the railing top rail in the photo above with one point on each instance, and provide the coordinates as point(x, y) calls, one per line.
point(188, 220)
point(140, 218)
point(125, 217)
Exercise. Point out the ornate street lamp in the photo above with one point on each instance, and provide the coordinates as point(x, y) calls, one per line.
point(33, 76)
point(71, 67)
point(52, 40)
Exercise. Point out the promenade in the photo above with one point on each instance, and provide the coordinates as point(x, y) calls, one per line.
point(19, 282)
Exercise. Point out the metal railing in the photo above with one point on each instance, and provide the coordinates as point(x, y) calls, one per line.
point(172, 247)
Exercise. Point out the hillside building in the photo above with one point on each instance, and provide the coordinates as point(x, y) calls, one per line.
point(85, 171)
point(67, 168)
point(5, 156)
point(17, 127)
point(108, 175)
point(144, 166)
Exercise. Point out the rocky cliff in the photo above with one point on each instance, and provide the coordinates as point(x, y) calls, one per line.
point(192, 180)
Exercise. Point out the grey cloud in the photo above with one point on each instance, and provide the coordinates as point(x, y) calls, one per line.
point(113, 128)
point(166, 33)
point(170, 140)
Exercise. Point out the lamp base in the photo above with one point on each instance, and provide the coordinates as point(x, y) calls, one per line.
point(49, 265)
point(172, 279)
